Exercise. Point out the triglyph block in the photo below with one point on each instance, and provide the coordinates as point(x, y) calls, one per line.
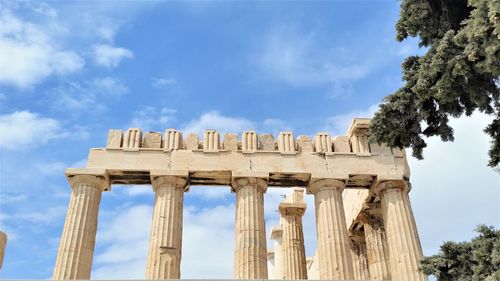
point(211, 141)
point(249, 141)
point(323, 142)
point(286, 142)
point(359, 143)
point(133, 138)
point(173, 139)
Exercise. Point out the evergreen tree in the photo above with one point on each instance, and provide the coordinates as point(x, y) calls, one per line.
point(458, 75)
point(478, 260)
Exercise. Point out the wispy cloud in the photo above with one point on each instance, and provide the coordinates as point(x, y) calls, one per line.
point(110, 56)
point(298, 59)
point(87, 96)
point(161, 83)
point(152, 118)
point(109, 86)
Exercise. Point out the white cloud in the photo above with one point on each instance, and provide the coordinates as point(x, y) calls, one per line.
point(29, 54)
point(207, 243)
point(299, 59)
point(339, 124)
point(161, 83)
point(152, 118)
point(125, 240)
point(455, 180)
point(109, 56)
point(23, 129)
point(214, 120)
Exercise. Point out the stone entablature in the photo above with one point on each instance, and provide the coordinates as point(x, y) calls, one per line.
point(128, 158)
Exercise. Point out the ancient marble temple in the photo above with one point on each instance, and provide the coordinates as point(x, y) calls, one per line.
point(364, 221)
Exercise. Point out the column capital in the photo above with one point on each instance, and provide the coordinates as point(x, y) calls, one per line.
point(324, 183)
point(96, 177)
point(242, 179)
point(180, 179)
point(391, 185)
point(292, 209)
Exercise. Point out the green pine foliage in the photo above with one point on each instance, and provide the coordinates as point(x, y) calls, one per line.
point(477, 260)
point(458, 75)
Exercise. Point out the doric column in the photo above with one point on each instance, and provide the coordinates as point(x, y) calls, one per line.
point(277, 236)
point(76, 249)
point(294, 253)
point(333, 240)
point(359, 259)
point(250, 253)
point(376, 247)
point(403, 242)
point(165, 242)
point(3, 243)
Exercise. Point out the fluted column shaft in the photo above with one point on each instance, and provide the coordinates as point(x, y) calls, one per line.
point(359, 261)
point(334, 255)
point(403, 242)
point(76, 249)
point(165, 244)
point(250, 255)
point(294, 253)
point(376, 248)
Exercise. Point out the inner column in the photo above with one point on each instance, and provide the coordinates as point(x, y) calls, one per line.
point(250, 255)
point(294, 253)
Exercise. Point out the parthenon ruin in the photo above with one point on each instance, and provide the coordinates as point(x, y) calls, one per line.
point(364, 222)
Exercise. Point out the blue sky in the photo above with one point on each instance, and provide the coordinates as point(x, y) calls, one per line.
point(69, 71)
